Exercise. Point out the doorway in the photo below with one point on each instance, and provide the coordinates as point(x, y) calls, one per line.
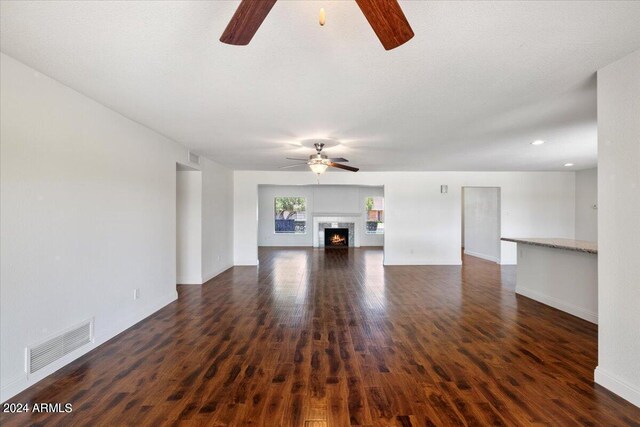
point(481, 228)
point(188, 225)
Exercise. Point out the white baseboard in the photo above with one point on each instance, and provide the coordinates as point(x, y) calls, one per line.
point(15, 385)
point(618, 386)
point(483, 256)
point(213, 274)
point(189, 280)
point(104, 334)
point(405, 261)
point(580, 312)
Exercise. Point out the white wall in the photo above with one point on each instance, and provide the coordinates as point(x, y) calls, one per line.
point(619, 227)
point(586, 198)
point(482, 222)
point(325, 200)
point(189, 227)
point(88, 213)
point(462, 214)
point(422, 226)
point(266, 216)
point(217, 219)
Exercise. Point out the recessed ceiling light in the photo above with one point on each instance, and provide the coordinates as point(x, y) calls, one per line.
point(568, 164)
point(537, 142)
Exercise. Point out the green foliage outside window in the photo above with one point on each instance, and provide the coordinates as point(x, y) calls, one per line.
point(290, 204)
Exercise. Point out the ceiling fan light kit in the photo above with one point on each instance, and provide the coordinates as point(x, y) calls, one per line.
point(385, 17)
point(318, 167)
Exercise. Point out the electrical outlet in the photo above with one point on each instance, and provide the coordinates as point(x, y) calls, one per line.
point(136, 293)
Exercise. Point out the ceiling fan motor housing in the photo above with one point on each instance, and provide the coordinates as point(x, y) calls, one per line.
point(318, 157)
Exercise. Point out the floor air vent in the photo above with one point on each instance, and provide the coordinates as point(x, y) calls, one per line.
point(53, 349)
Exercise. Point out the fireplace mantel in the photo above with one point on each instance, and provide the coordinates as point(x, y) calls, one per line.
point(337, 215)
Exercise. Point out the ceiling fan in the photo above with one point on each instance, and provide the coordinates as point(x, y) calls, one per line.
point(384, 16)
point(318, 163)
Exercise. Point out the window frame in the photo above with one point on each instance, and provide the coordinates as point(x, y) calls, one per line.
point(366, 220)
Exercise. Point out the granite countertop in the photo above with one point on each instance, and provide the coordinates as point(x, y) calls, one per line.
point(558, 243)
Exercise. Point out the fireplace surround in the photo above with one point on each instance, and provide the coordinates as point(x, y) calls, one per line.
point(328, 223)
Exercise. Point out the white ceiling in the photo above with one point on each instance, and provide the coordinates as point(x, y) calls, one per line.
point(477, 84)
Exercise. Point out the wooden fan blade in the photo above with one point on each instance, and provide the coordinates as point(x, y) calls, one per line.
point(296, 158)
point(246, 21)
point(292, 166)
point(388, 21)
point(345, 167)
point(338, 160)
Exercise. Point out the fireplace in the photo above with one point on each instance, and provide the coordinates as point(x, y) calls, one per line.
point(325, 225)
point(336, 237)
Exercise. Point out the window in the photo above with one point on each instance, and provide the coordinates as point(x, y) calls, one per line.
point(375, 215)
point(291, 215)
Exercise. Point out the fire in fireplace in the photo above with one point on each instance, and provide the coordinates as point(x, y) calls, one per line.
point(338, 240)
point(336, 237)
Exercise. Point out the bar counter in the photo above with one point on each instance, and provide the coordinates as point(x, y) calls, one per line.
point(561, 273)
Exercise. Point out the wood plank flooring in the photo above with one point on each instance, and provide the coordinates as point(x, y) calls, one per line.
point(332, 338)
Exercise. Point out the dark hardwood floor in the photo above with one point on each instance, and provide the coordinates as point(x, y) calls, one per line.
point(332, 338)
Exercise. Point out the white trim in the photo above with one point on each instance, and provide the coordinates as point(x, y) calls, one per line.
point(21, 382)
point(483, 256)
point(617, 385)
point(193, 280)
point(213, 274)
point(189, 280)
point(580, 312)
point(13, 386)
point(336, 215)
point(414, 261)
